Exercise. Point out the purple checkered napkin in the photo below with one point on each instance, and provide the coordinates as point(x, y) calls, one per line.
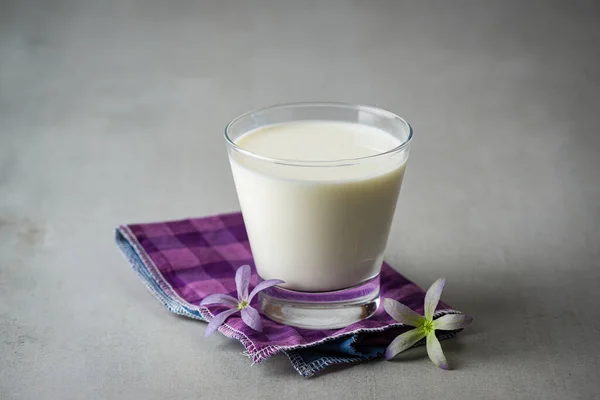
point(181, 262)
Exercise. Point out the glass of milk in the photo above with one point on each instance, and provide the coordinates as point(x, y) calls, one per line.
point(317, 185)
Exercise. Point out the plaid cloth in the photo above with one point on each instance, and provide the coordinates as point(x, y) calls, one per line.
point(183, 261)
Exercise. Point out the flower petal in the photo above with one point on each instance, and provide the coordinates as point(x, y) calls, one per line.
point(403, 342)
point(452, 322)
point(432, 297)
point(434, 350)
point(242, 281)
point(264, 285)
point(218, 320)
point(219, 298)
point(402, 313)
point(251, 318)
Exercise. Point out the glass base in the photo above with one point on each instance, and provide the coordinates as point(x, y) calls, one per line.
point(321, 310)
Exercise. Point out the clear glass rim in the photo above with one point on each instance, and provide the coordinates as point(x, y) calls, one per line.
point(317, 163)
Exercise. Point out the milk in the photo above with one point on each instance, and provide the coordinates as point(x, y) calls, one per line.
point(321, 226)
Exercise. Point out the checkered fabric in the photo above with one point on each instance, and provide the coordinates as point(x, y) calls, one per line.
point(181, 262)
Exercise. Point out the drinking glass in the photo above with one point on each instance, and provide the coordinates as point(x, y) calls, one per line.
point(320, 226)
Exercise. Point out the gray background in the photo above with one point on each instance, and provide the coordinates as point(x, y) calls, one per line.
point(112, 112)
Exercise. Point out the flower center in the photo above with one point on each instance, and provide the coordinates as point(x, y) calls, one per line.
point(428, 326)
point(242, 304)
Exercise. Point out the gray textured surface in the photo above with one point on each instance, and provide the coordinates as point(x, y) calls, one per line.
point(112, 112)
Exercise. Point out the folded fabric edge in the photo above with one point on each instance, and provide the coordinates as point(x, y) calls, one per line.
point(309, 369)
point(130, 249)
point(141, 269)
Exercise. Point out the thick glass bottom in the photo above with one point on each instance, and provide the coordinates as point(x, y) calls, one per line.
point(321, 310)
